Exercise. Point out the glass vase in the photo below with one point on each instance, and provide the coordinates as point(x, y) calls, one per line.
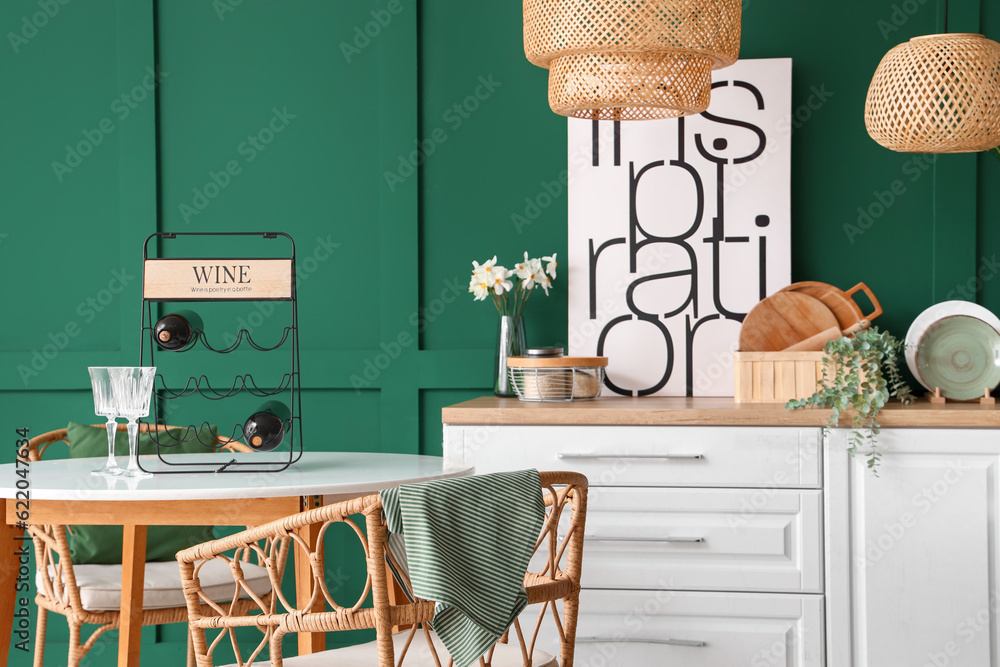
point(510, 343)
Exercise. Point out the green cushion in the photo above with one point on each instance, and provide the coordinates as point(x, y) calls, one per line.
point(103, 544)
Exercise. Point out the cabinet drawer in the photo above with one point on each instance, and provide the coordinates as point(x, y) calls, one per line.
point(642, 628)
point(704, 539)
point(650, 455)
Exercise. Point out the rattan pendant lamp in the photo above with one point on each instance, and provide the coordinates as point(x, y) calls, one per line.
point(937, 94)
point(631, 59)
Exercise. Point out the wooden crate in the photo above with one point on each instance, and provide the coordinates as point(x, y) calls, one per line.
point(776, 377)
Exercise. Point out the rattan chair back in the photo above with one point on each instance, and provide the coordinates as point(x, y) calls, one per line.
point(557, 579)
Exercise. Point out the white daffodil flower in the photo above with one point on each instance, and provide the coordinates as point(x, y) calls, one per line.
point(484, 270)
point(490, 279)
point(550, 268)
point(521, 267)
point(480, 288)
point(526, 270)
point(499, 279)
point(529, 280)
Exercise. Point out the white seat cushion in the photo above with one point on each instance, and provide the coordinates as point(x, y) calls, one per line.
point(418, 655)
point(101, 585)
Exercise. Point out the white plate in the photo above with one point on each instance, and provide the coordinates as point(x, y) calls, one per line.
point(932, 315)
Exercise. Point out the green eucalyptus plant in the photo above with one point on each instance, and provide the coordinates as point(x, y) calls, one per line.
point(860, 374)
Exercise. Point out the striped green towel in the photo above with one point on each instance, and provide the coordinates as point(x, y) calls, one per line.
point(468, 543)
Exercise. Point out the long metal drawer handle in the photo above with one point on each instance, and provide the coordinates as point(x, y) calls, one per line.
point(639, 640)
point(595, 538)
point(565, 455)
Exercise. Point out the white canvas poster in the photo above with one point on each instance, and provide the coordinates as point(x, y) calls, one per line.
point(677, 228)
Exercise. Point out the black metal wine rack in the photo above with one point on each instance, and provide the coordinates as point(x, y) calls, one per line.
point(167, 286)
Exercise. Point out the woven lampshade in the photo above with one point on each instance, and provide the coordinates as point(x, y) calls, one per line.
point(631, 59)
point(937, 94)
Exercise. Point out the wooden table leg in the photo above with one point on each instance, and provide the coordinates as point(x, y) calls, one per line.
point(133, 577)
point(309, 642)
point(10, 544)
point(396, 596)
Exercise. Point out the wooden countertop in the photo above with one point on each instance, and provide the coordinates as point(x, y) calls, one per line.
point(705, 412)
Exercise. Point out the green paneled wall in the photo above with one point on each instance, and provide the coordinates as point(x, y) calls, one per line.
point(389, 335)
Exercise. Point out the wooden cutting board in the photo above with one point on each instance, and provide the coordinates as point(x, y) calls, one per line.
point(784, 319)
point(846, 310)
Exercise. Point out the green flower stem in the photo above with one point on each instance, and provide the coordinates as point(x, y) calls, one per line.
point(512, 302)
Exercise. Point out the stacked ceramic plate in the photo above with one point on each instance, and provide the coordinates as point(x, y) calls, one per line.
point(955, 346)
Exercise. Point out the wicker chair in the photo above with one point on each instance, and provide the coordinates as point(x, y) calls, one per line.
point(557, 579)
point(61, 592)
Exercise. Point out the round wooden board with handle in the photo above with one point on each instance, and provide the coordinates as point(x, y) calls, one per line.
point(845, 309)
point(782, 320)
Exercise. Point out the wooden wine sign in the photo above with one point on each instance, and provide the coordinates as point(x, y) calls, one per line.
point(217, 279)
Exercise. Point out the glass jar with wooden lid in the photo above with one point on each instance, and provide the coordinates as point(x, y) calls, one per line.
point(556, 378)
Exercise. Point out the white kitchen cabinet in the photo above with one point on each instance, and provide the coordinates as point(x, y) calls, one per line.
point(913, 571)
point(704, 544)
point(618, 628)
point(631, 628)
point(648, 456)
point(704, 539)
point(771, 544)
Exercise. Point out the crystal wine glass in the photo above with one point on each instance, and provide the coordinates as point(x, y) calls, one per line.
point(105, 406)
point(133, 387)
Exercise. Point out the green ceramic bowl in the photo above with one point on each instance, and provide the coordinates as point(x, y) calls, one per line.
point(961, 355)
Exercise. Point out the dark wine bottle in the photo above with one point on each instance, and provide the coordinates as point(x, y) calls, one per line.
point(265, 429)
point(176, 331)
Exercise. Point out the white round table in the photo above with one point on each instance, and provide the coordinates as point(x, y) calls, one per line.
point(315, 474)
point(63, 492)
